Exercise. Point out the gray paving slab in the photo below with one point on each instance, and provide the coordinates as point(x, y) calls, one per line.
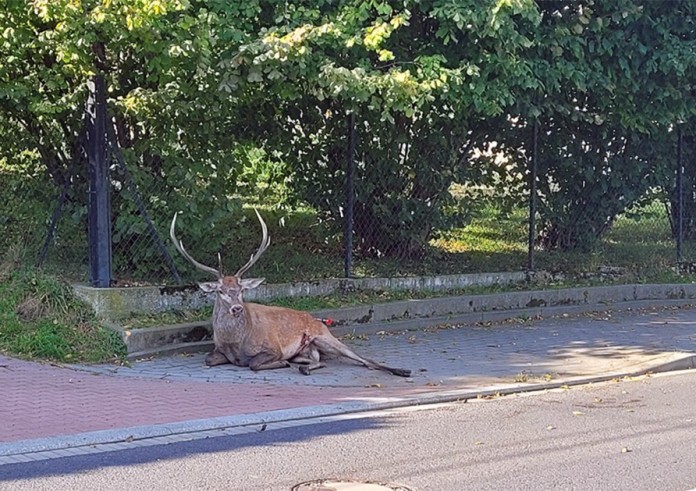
point(48, 408)
point(451, 356)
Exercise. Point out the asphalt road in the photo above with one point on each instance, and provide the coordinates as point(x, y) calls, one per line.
point(637, 434)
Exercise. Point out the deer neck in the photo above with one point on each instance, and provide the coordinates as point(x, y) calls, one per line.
point(224, 321)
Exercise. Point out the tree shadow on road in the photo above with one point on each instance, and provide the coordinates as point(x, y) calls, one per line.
point(206, 443)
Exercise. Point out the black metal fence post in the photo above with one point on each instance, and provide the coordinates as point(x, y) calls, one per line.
point(99, 214)
point(350, 199)
point(680, 198)
point(531, 266)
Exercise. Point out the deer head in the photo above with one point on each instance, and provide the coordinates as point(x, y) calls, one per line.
point(227, 288)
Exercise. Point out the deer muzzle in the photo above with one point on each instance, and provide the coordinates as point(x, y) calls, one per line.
point(236, 310)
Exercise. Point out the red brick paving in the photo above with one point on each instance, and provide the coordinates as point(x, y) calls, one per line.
point(40, 400)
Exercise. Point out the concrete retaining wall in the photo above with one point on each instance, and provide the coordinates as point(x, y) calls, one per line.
point(120, 303)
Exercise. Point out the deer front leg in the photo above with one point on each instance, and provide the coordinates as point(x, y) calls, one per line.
point(267, 361)
point(216, 357)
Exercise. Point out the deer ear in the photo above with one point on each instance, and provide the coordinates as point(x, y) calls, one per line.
point(251, 283)
point(213, 286)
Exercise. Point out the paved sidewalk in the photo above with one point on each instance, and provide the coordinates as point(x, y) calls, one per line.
point(50, 407)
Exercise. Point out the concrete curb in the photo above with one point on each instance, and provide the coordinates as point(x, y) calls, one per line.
point(497, 316)
point(34, 448)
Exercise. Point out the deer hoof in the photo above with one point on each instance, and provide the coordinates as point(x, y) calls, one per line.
point(401, 372)
point(305, 370)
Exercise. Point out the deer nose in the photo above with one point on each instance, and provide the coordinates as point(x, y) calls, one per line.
point(236, 310)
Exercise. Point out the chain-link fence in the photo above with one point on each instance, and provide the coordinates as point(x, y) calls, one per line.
point(305, 248)
point(46, 222)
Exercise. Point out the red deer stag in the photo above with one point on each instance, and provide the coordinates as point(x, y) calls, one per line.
point(264, 337)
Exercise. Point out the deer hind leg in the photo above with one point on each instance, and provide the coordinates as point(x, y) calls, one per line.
point(267, 361)
point(329, 345)
point(309, 357)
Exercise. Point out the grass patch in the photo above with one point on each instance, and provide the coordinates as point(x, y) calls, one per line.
point(177, 316)
point(639, 241)
point(339, 300)
point(305, 248)
point(40, 318)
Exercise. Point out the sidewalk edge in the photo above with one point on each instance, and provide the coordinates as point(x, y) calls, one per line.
point(124, 435)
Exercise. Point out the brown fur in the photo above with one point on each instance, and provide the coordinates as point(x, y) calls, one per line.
point(263, 337)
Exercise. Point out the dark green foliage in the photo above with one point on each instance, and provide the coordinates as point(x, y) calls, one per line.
point(613, 79)
point(217, 104)
point(688, 161)
point(591, 178)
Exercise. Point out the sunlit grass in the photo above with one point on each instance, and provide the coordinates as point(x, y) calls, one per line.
point(303, 248)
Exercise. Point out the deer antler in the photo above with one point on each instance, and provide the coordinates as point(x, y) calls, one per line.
point(180, 247)
point(265, 242)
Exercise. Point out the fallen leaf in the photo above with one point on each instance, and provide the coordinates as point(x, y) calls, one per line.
point(578, 413)
point(550, 427)
point(489, 397)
